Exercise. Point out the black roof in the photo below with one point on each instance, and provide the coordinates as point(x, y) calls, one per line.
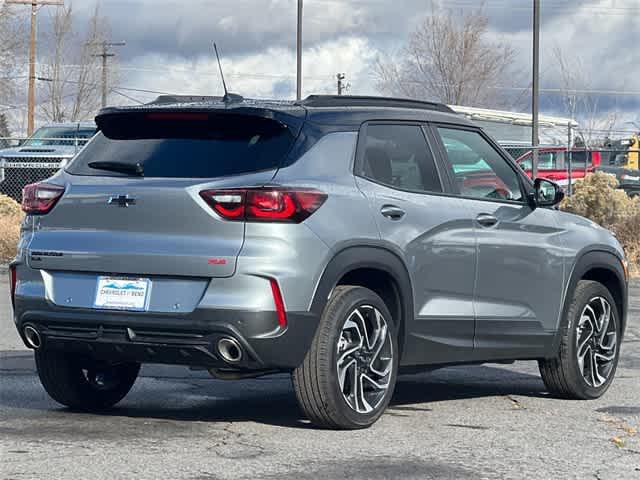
point(320, 109)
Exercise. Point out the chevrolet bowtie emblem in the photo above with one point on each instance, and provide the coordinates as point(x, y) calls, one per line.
point(122, 201)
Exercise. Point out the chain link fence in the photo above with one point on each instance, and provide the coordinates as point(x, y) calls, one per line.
point(516, 151)
point(24, 161)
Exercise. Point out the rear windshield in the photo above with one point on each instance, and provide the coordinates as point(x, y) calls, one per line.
point(189, 147)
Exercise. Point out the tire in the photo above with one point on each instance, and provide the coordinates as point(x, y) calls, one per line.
point(330, 402)
point(563, 375)
point(82, 383)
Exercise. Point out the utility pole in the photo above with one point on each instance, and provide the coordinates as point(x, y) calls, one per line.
point(341, 86)
point(535, 101)
point(32, 54)
point(105, 54)
point(299, 54)
point(570, 158)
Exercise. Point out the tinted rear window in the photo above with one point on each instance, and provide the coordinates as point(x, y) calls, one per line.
point(215, 146)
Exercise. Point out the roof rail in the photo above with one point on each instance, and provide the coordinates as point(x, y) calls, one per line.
point(358, 101)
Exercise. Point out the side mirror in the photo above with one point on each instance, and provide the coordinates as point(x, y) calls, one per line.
point(546, 193)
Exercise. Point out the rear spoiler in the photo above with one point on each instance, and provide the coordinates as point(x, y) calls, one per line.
point(132, 122)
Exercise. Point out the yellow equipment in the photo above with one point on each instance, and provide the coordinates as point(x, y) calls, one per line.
point(633, 157)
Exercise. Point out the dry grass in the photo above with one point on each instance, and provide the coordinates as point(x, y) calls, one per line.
point(10, 218)
point(597, 198)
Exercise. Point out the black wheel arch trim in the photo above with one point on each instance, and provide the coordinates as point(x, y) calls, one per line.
point(585, 262)
point(375, 257)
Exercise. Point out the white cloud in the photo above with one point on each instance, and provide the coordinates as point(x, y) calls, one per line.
point(270, 73)
point(169, 43)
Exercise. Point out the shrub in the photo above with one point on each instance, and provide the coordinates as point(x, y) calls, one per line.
point(8, 206)
point(598, 198)
point(628, 233)
point(10, 219)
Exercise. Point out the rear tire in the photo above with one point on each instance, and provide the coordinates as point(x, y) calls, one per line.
point(82, 383)
point(348, 376)
point(589, 347)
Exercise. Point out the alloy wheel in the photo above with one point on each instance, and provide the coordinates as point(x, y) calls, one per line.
point(365, 359)
point(596, 342)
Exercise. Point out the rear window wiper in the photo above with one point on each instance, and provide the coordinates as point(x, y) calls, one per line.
point(130, 168)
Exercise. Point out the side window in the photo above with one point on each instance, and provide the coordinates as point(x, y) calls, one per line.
point(480, 171)
point(546, 161)
point(398, 156)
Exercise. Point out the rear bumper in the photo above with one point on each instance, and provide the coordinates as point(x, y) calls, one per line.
point(631, 189)
point(180, 340)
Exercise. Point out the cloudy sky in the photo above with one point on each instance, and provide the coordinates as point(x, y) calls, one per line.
point(169, 44)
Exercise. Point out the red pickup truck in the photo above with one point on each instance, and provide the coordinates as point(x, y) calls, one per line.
point(553, 163)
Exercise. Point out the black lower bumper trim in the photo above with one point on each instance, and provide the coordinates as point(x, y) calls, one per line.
point(190, 340)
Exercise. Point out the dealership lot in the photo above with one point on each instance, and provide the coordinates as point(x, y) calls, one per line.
point(491, 421)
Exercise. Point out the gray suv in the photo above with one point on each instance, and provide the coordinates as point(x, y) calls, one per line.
point(344, 240)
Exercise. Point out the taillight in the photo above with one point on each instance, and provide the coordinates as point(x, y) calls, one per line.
point(40, 198)
point(268, 204)
point(596, 159)
point(13, 280)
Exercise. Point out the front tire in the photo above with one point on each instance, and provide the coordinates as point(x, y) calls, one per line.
point(82, 383)
point(589, 347)
point(348, 376)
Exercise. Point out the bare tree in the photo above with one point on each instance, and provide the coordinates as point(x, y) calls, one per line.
point(71, 71)
point(11, 48)
point(448, 58)
point(580, 103)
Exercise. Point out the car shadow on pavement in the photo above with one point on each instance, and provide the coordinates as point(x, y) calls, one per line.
point(176, 394)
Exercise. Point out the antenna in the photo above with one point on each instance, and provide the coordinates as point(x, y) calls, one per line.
point(224, 84)
point(228, 97)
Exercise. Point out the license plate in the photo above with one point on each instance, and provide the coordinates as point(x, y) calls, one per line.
point(115, 293)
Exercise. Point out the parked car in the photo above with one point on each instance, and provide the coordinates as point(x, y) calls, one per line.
point(553, 164)
point(622, 162)
point(344, 240)
point(41, 155)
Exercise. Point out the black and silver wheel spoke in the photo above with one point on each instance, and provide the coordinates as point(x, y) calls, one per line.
point(596, 342)
point(365, 359)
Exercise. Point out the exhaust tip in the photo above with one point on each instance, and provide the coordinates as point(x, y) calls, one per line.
point(230, 350)
point(32, 337)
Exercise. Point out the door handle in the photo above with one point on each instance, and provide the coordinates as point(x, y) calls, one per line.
point(487, 220)
point(392, 212)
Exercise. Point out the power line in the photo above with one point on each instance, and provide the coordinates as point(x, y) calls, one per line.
point(211, 73)
point(548, 90)
point(631, 93)
point(127, 96)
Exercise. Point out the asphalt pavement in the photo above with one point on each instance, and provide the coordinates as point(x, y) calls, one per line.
point(478, 422)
